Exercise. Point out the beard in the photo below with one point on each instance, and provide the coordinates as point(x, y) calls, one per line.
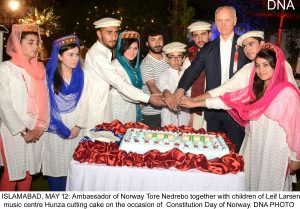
point(156, 50)
point(109, 44)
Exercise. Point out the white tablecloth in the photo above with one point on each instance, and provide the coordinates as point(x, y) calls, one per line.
point(96, 177)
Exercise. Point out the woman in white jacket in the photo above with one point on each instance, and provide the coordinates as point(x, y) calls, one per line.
point(68, 110)
point(23, 108)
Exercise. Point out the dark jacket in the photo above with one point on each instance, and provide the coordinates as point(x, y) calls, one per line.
point(209, 59)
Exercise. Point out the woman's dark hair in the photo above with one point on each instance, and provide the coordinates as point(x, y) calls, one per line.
point(258, 84)
point(125, 44)
point(24, 34)
point(58, 78)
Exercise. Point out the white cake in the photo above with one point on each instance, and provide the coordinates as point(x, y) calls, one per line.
point(141, 141)
point(103, 136)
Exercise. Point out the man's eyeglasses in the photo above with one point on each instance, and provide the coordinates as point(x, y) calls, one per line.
point(174, 58)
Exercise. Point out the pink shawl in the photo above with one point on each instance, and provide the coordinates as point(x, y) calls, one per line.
point(37, 102)
point(289, 118)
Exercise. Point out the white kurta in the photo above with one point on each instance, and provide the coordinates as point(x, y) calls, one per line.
point(1, 162)
point(239, 81)
point(269, 156)
point(20, 156)
point(58, 152)
point(269, 153)
point(122, 107)
point(102, 75)
point(169, 80)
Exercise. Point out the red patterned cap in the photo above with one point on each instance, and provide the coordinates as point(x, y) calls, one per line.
point(130, 34)
point(30, 28)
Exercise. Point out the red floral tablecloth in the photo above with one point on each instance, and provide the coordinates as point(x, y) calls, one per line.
point(109, 153)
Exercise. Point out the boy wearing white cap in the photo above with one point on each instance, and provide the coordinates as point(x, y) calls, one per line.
point(201, 33)
point(102, 74)
point(167, 84)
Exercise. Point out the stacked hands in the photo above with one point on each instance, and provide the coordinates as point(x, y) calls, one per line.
point(172, 101)
point(176, 100)
point(31, 136)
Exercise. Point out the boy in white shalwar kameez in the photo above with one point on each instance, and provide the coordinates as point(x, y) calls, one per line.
point(167, 83)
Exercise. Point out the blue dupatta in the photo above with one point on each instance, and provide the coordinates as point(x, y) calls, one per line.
point(69, 94)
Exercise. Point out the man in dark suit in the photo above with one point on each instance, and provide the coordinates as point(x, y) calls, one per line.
point(220, 59)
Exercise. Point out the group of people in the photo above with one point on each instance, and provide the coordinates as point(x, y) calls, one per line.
point(42, 109)
point(233, 85)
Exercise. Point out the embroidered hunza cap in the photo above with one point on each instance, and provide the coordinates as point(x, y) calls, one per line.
point(107, 22)
point(30, 28)
point(69, 39)
point(174, 47)
point(199, 25)
point(253, 33)
point(130, 34)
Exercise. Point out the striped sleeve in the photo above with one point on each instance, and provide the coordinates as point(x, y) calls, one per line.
point(147, 71)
